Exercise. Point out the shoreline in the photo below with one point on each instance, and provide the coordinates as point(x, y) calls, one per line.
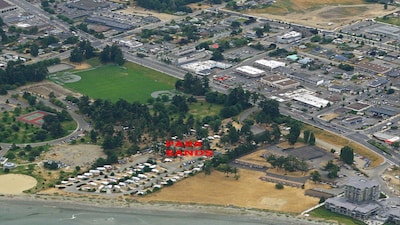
point(163, 209)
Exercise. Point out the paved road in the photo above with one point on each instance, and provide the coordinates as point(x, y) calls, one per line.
point(79, 119)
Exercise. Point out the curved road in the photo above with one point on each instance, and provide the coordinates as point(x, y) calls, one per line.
point(79, 119)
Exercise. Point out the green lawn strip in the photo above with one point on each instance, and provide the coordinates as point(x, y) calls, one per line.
point(389, 20)
point(132, 82)
point(321, 212)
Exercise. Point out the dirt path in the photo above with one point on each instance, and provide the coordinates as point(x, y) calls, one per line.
point(330, 17)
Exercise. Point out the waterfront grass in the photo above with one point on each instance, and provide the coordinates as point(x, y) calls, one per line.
point(131, 82)
point(321, 212)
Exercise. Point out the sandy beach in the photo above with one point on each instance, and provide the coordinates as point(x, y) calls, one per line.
point(15, 184)
point(195, 213)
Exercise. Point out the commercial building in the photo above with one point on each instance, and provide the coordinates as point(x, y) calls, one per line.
point(337, 88)
point(311, 100)
point(384, 111)
point(204, 68)
point(279, 82)
point(289, 37)
point(88, 5)
point(109, 22)
point(378, 82)
point(250, 72)
point(268, 64)
point(357, 106)
point(353, 120)
point(373, 68)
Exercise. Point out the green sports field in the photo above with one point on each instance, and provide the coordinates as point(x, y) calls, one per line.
point(131, 82)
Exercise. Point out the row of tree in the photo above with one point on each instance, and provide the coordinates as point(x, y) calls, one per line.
point(289, 163)
point(18, 74)
point(84, 50)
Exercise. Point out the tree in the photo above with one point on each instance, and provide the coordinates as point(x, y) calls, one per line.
point(34, 50)
point(76, 55)
point(279, 186)
point(93, 136)
point(259, 32)
point(332, 169)
point(315, 176)
point(233, 134)
point(294, 132)
point(217, 55)
point(312, 139)
point(306, 136)
point(347, 155)
point(207, 167)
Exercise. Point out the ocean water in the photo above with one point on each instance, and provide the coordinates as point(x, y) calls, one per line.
point(39, 213)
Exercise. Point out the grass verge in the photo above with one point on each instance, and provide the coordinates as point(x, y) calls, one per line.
point(334, 139)
point(321, 212)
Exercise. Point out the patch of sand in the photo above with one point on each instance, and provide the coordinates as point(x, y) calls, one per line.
point(323, 14)
point(81, 66)
point(249, 191)
point(142, 12)
point(15, 184)
point(82, 155)
point(44, 88)
point(256, 158)
point(328, 117)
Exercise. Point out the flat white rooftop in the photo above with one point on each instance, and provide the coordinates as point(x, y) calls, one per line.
point(270, 63)
point(311, 100)
point(250, 70)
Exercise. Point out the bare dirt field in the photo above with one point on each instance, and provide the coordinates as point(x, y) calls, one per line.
point(44, 88)
point(82, 155)
point(249, 191)
point(392, 179)
point(325, 14)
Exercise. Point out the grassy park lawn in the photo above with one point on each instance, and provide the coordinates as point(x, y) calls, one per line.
point(131, 82)
point(321, 212)
point(201, 109)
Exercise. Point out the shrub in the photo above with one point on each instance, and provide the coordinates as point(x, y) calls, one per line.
point(279, 186)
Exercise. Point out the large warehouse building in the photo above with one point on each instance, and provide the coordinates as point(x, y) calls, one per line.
point(279, 82)
point(250, 72)
point(289, 37)
point(268, 64)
